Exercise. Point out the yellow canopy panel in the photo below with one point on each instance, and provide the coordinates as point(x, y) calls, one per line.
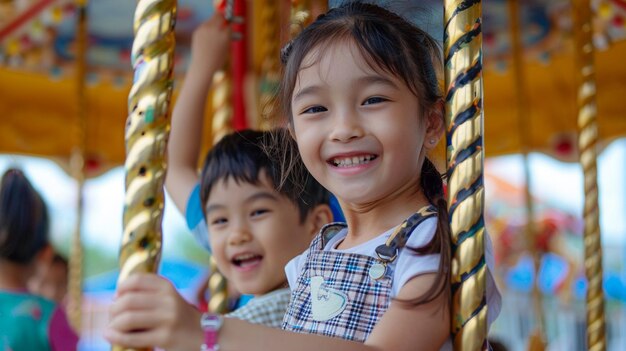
point(40, 117)
point(39, 113)
point(552, 108)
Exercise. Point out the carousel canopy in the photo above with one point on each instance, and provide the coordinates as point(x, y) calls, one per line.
point(39, 95)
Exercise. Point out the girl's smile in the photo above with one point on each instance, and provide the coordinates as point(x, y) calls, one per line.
point(352, 163)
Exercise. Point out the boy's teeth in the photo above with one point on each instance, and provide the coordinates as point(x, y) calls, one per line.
point(244, 257)
point(247, 259)
point(355, 160)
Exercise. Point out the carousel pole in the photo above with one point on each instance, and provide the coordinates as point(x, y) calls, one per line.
point(221, 125)
point(587, 143)
point(147, 129)
point(222, 89)
point(464, 121)
point(220, 101)
point(77, 164)
point(537, 340)
point(218, 289)
point(300, 16)
point(270, 66)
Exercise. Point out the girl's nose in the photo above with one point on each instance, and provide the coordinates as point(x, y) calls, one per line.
point(347, 127)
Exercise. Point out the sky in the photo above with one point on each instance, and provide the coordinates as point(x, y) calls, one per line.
point(559, 184)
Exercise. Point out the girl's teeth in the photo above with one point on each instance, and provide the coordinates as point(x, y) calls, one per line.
point(349, 161)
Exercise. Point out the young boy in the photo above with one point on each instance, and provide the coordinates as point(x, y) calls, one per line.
point(236, 212)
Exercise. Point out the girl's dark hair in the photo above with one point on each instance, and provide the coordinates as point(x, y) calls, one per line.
point(242, 156)
point(391, 44)
point(24, 219)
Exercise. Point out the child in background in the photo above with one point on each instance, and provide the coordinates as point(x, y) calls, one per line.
point(27, 321)
point(361, 97)
point(251, 228)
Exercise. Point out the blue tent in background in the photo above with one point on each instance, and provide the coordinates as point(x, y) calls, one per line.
point(184, 275)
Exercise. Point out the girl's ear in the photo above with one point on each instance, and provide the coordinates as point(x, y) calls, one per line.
point(292, 132)
point(317, 218)
point(435, 125)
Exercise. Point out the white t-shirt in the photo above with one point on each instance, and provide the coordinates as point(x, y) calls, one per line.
point(408, 264)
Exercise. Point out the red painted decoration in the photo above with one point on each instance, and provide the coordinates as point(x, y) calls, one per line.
point(239, 65)
point(30, 13)
point(564, 147)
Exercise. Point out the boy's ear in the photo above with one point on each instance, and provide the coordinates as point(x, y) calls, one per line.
point(435, 125)
point(318, 217)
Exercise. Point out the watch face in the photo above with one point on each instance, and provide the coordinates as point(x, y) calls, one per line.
point(211, 321)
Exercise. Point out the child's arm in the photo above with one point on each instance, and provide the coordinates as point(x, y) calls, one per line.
point(209, 49)
point(151, 304)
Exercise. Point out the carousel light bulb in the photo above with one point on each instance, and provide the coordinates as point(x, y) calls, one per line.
point(57, 15)
point(13, 47)
point(605, 10)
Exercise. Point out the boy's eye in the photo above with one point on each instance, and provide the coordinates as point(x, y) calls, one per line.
point(219, 220)
point(374, 100)
point(259, 212)
point(315, 109)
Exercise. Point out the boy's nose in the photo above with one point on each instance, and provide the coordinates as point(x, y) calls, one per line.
point(347, 126)
point(239, 235)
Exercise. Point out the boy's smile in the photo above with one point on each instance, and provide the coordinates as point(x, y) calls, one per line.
point(254, 232)
point(246, 261)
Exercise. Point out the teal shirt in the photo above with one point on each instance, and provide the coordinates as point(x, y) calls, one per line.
point(24, 321)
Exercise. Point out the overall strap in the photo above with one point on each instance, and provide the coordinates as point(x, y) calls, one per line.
point(389, 250)
point(327, 232)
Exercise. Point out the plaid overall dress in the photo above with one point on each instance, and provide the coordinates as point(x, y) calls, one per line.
point(335, 294)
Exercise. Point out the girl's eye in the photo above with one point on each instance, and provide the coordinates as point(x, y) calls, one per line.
point(315, 109)
point(374, 100)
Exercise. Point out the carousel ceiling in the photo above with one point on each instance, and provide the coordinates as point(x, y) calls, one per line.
point(38, 89)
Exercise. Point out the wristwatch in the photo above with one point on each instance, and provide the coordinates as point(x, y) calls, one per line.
point(211, 324)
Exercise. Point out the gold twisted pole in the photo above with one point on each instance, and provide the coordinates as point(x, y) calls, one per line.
point(270, 66)
point(221, 125)
point(464, 120)
point(587, 141)
point(300, 16)
point(218, 287)
point(75, 279)
point(147, 129)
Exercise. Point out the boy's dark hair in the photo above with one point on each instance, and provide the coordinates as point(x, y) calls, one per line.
point(24, 219)
point(242, 156)
point(391, 44)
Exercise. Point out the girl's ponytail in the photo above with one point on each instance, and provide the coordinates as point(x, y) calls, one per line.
point(23, 219)
point(432, 185)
